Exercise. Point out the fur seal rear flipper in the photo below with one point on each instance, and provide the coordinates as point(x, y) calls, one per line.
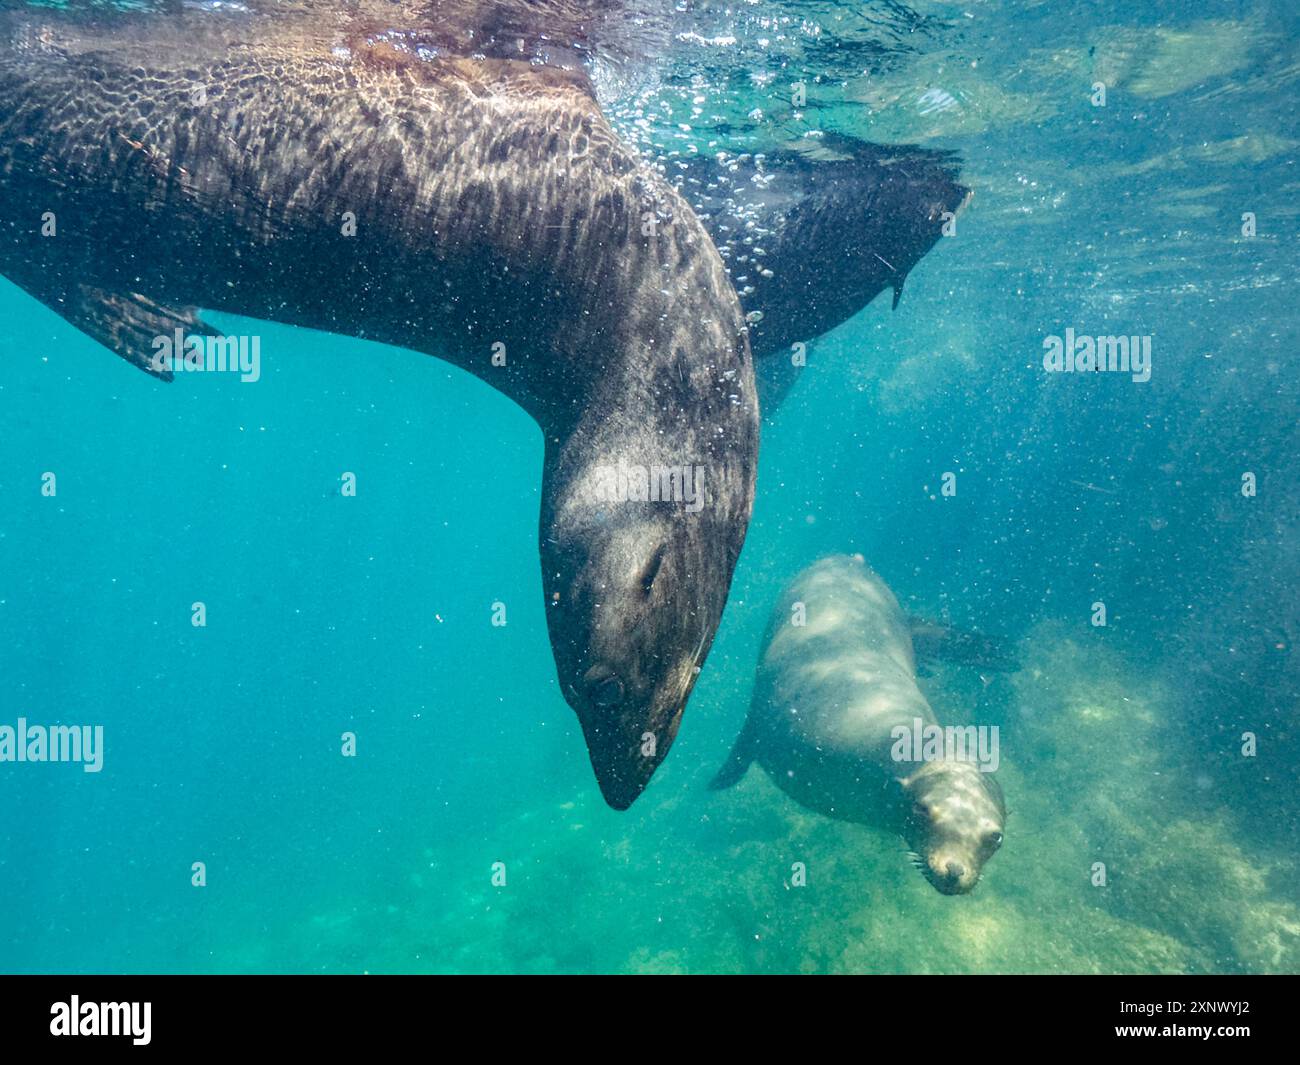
point(932, 641)
point(836, 683)
point(214, 159)
point(812, 239)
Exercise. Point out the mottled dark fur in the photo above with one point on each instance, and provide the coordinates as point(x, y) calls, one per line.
point(493, 203)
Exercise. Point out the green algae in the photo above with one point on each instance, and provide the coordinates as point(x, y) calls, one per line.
point(702, 882)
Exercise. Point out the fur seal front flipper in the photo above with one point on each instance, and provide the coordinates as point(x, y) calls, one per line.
point(738, 761)
point(130, 324)
point(835, 690)
point(445, 190)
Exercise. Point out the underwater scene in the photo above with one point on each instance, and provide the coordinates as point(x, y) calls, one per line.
point(864, 375)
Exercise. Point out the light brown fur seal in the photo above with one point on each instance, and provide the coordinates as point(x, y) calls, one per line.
point(827, 700)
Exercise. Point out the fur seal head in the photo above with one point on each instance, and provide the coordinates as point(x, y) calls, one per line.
point(641, 529)
point(954, 824)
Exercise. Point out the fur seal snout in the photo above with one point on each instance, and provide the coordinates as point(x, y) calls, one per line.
point(835, 690)
point(954, 824)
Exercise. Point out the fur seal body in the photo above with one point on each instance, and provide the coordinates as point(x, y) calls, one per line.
point(449, 191)
point(827, 699)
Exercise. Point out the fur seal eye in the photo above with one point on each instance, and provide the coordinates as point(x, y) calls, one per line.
point(995, 838)
point(651, 570)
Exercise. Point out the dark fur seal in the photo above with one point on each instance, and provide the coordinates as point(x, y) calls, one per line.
point(213, 160)
point(828, 697)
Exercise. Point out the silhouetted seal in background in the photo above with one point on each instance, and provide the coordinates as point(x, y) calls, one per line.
point(216, 159)
point(828, 696)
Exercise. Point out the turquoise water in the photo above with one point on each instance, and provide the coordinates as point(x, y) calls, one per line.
point(371, 614)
